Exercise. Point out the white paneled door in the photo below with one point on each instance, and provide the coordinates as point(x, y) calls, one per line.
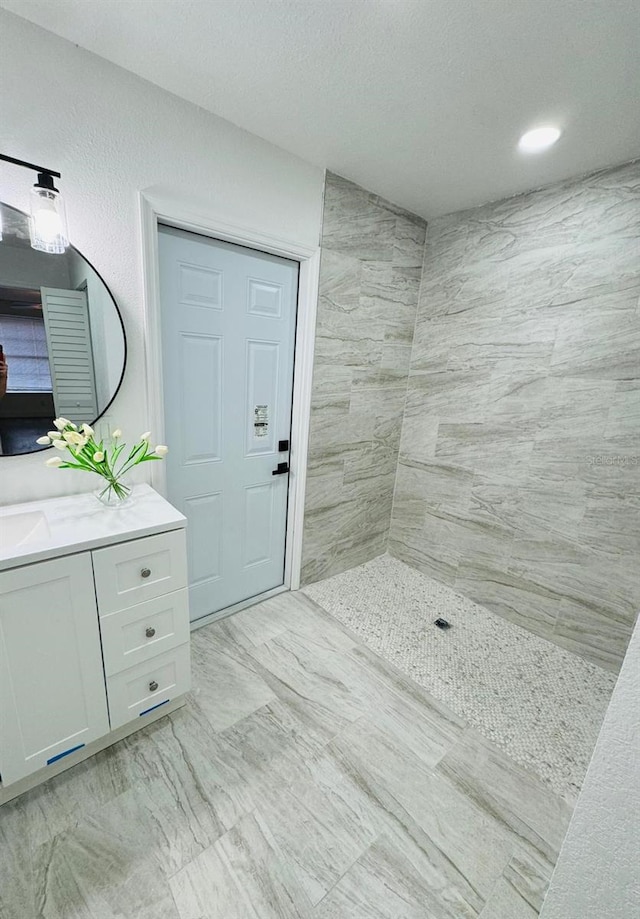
point(228, 334)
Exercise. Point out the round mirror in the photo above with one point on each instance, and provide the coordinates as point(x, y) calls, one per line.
point(62, 343)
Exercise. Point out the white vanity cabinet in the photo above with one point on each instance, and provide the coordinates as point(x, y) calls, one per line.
point(144, 619)
point(52, 690)
point(94, 644)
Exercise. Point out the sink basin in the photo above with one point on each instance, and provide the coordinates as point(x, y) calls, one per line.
point(22, 529)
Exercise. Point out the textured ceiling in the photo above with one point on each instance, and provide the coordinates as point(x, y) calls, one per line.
point(422, 101)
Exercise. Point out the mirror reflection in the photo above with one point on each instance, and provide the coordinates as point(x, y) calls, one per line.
point(62, 345)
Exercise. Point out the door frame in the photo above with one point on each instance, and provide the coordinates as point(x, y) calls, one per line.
point(155, 209)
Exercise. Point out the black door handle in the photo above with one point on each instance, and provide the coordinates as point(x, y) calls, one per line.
point(282, 469)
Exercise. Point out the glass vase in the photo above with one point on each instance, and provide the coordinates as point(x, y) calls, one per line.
point(114, 492)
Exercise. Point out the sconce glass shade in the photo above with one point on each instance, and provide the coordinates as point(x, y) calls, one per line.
point(48, 224)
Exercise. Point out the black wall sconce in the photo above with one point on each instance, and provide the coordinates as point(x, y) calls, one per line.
point(48, 223)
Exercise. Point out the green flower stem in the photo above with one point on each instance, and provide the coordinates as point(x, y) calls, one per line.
point(122, 491)
point(132, 459)
point(110, 468)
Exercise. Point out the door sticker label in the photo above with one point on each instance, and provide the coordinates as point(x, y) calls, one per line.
point(260, 420)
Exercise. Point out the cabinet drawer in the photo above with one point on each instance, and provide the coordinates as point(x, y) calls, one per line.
point(132, 636)
point(139, 570)
point(138, 691)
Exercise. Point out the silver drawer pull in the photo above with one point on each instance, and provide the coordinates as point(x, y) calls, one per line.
point(145, 572)
point(150, 632)
point(153, 685)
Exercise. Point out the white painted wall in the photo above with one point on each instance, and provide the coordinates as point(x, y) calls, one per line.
point(597, 875)
point(112, 135)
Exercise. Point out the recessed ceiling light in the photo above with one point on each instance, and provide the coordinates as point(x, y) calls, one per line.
point(539, 139)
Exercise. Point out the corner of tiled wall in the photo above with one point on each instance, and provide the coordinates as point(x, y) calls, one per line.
point(519, 465)
point(371, 263)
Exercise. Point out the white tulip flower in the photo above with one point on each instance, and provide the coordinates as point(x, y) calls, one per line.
point(105, 463)
point(73, 437)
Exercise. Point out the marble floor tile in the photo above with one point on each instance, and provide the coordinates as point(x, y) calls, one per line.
point(513, 797)
point(385, 883)
point(442, 884)
point(17, 887)
point(268, 750)
point(187, 794)
point(320, 833)
point(305, 777)
point(258, 624)
point(250, 627)
point(53, 807)
point(227, 689)
point(611, 521)
point(104, 868)
point(404, 710)
point(242, 876)
point(530, 876)
point(449, 821)
point(506, 903)
point(539, 703)
point(311, 689)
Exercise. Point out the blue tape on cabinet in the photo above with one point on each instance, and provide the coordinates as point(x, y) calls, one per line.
point(58, 756)
point(153, 707)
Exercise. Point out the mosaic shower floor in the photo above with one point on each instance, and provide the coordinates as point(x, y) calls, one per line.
point(543, 705)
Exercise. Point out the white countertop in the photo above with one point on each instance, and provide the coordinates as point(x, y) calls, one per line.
point(79, 522)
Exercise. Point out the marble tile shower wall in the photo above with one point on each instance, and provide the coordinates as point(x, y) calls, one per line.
point(519, 467)
point(370, 274)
